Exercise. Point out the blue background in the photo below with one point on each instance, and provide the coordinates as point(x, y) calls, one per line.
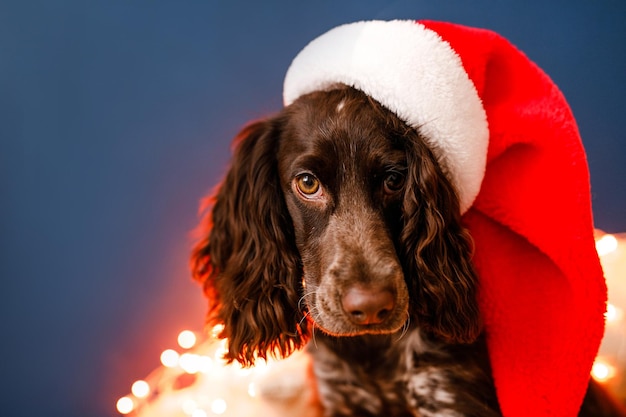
point(116, 118)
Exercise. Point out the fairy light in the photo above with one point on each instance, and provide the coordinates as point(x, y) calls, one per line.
point(606, 244)
point(196, 381)
point(221, 350)
point(218, 406)
point(613, 314)
point(169, 358)
point(216, 330)
point(125, 405)
point(252, 389)
point(602, 371)
point(140, 389)
point(199, 413)
point(189, 406)
point(205, 364)
point(200, 383)
point(187, 339)
point(190, 363)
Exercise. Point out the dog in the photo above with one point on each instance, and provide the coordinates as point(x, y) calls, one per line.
point(336, 228)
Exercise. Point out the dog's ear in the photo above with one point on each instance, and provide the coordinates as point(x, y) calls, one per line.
point(442, 281)
point(247, 259)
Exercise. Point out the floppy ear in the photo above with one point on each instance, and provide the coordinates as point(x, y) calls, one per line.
point(442, 281)
point(247, 259)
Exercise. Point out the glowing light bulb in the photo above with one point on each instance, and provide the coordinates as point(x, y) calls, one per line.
point(613, 314)
point(140, 389)
point(125, 405)
point(205, 364)
point(190, 363)
point(606, 244)
point(252, 390)
point(216, 330)
point(218, 406)
point(221, 350)
point(187, 339)
point(602, 371)
point(189, 406)
point(169, 358)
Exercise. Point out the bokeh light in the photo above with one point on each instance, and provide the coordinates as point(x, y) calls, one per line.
point(140, 389)
point(125, 405)
point(186, 339)
point(169, 358)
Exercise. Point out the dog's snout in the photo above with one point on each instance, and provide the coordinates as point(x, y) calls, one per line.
point(367, 306)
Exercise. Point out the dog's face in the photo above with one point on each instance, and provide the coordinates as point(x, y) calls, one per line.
point(343, 174)
point(334, 213)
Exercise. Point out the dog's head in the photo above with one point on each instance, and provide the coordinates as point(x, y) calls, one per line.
point(334, 214)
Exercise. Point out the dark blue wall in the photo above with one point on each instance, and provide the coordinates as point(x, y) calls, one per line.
point(116, 117)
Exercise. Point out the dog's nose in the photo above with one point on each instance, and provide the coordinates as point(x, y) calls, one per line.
point(367, 306)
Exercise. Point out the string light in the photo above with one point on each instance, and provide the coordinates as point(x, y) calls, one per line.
point(602, 371)
point(252, 389)
point(613, 314)
point(221, 350)
point(218, 406)
point(216, 330)
point(196, 381)
point(606, 244)
point(169, 358)
point(186, 339)
point(125, 405)
point(205, 364)
point(140, 389)
point(189, 406)
point(190, 363)
point(609, 368)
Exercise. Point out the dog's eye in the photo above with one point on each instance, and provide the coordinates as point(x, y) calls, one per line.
point(394, 181)
point(308, 185)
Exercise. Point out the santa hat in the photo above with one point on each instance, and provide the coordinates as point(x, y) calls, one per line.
point(510, 144)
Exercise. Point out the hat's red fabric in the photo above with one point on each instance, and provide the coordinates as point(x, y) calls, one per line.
point(543, 294)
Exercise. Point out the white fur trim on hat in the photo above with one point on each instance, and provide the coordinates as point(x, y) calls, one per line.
point(413, 72)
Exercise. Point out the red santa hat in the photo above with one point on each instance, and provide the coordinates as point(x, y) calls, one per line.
point(509, 142)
